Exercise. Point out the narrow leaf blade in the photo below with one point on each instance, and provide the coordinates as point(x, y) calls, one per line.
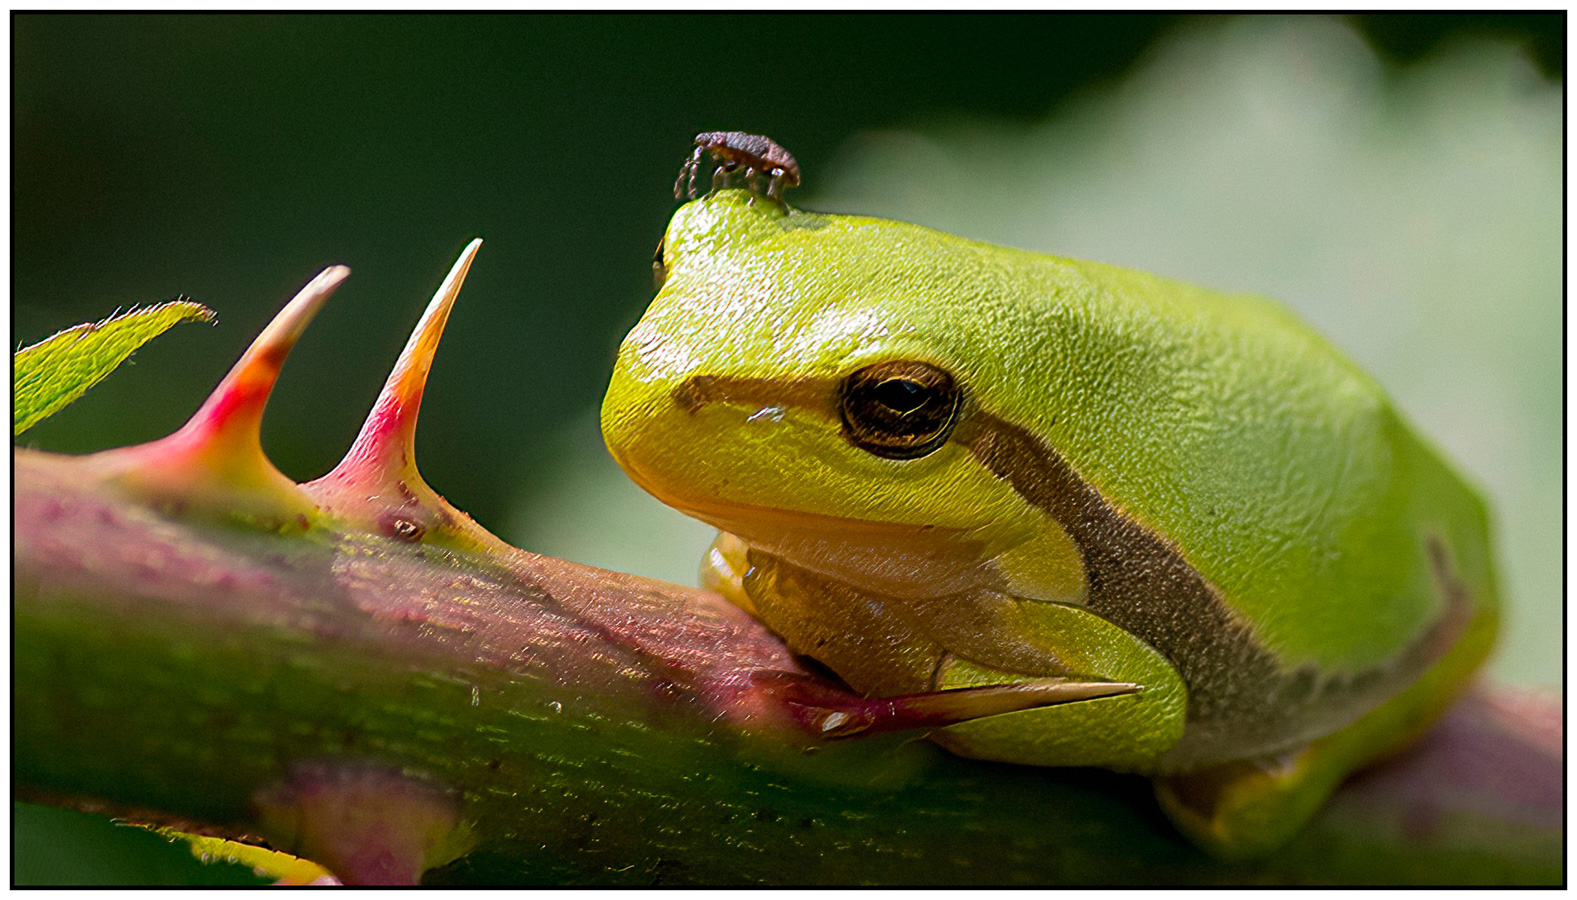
point(57, 370)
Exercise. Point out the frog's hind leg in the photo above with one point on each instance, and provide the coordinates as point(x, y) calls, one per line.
point(1248, 808)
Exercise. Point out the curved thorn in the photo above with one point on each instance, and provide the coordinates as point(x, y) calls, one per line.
point(232, 416)
point(377, 486)
point(216, 459)
point(385, 449)
point(830, 715)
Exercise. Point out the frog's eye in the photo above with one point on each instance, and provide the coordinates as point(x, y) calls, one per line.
point(899, 409)
point(659, 265)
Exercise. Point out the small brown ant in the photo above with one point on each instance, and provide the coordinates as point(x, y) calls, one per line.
point(736, 150)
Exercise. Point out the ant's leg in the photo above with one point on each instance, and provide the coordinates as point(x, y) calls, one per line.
point(679, 186)
point(688, 169)
point(723, 177)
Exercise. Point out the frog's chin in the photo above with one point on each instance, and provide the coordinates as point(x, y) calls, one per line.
point(764, 525)
point(895, 558)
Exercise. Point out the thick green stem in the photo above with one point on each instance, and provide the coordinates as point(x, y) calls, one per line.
point(509, 718)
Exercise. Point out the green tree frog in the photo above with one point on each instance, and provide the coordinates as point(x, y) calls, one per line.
point(937, 463)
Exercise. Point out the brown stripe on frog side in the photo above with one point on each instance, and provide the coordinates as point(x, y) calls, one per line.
point(1241, 699)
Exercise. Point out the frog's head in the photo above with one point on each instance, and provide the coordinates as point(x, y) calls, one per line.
point(807, 382)
point(866, 400)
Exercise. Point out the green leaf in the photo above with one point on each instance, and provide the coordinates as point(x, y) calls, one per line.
point(57, 370)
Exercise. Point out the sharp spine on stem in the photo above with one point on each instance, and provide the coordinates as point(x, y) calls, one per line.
point(377, 487)
point(215, 463)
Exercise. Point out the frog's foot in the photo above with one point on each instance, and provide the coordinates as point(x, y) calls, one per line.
point(1247, 808)
point(723, 570)
point(1250, 807)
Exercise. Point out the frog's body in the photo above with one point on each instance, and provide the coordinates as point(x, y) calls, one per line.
point(939, 463)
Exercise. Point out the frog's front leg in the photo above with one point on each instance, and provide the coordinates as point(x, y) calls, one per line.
point(723, 570)
point(884, 645)
point(867, 644)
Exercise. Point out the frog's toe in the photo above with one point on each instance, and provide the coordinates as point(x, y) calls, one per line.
point(1247, 808)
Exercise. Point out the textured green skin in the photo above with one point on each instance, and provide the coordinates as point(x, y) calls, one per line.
point(1271, 464)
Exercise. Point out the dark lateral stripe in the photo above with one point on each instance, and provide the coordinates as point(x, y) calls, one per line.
point(1136, 581)
point(1240, 697)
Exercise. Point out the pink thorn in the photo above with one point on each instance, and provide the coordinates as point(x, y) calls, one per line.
point(233, 414)
point(385, 450)
point(217, 457)
point(829, 713)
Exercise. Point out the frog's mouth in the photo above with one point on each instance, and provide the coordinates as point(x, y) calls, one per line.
point(767, 525)
point(750, 400)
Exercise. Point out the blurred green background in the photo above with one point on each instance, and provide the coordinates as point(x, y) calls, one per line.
point(1396, 178)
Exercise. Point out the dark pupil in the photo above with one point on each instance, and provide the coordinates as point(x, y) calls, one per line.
point(901, 394)
point(899, 410)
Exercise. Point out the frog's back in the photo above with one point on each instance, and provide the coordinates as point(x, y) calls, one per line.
point(1338, 540)
point(1300, 553)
